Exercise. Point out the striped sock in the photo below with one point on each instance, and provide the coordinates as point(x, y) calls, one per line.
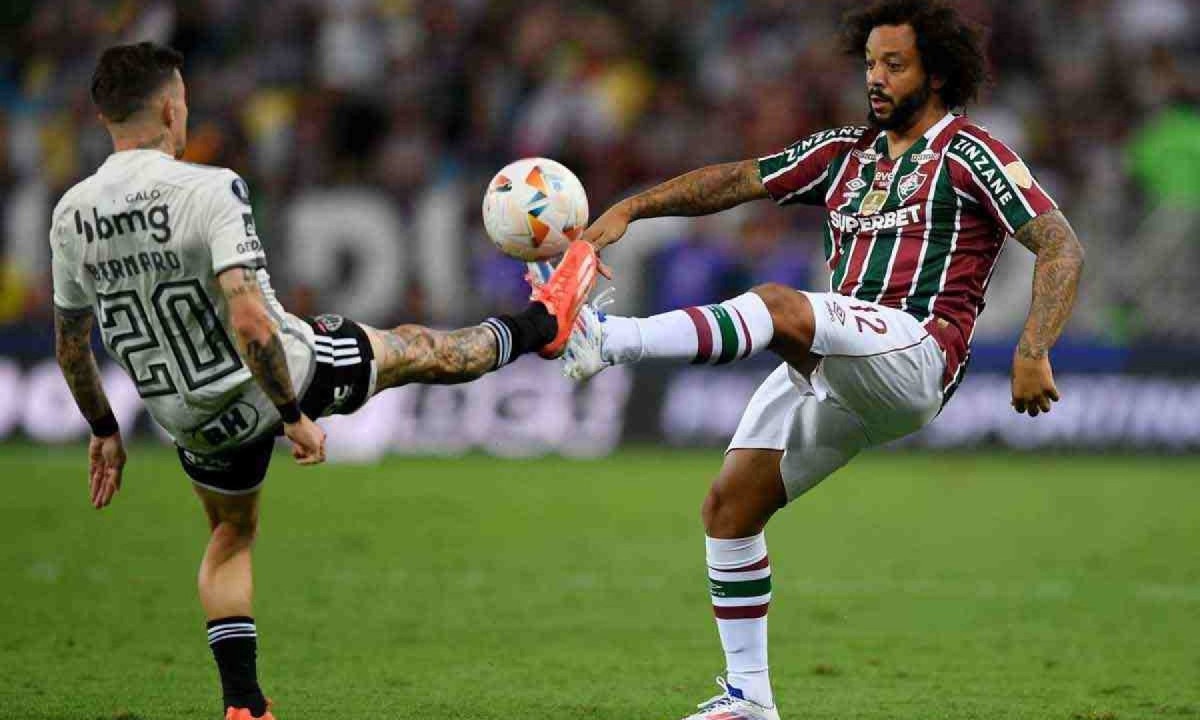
point(712, 334)
point(524, 332)
point(234, 644)
point(739, 580)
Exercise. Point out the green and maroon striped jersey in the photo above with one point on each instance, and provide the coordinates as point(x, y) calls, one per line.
point(921, 232)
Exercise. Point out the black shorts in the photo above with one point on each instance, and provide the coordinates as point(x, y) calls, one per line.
point(341, 384)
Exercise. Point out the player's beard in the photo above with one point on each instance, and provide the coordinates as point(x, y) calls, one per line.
point(904, 113)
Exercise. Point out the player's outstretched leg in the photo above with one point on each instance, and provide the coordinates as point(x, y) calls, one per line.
point(413, 353)
point(226, 588)
point(771, 316)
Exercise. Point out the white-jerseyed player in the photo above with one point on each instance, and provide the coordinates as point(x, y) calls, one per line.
point(166, 256)
point(919, 203)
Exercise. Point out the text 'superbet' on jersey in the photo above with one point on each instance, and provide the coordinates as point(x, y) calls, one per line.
point(921, 232)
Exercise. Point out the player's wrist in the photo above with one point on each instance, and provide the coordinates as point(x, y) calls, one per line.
point(106, 426)
point(628, 209)
point(289, 411)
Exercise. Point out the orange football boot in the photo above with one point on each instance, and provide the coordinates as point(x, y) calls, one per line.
point(565, 292)
point(233, 713)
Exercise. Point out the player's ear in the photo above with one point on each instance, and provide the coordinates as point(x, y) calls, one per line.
point(168, 109)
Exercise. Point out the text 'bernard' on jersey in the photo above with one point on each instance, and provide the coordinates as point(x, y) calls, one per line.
point(921, 232)
point(140, 243)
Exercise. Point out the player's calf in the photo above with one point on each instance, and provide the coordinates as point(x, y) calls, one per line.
point(417, 354)
point(225, 584)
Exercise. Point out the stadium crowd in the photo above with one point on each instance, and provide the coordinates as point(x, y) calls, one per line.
point(409, 106)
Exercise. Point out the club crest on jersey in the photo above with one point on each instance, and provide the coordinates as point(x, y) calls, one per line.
point(328, 322)
point(873, 202)
point(241, 190)
point(911, 183)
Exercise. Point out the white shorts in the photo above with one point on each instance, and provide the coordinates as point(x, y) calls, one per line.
point(880, 378)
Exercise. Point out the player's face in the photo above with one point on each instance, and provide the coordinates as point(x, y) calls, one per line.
point(897, 86)
point(177, 118)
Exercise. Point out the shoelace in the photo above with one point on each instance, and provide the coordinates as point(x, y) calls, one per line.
point(605, 298)
point(723, 699)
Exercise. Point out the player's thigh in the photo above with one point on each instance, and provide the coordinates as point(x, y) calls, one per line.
point(880, 363)
point(232, 473)
point(893, 394)
point(237, 511)
point(848, 327)
point(810, 436)
point(344, 374)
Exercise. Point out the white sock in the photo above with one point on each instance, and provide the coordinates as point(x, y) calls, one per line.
point(712, 334)
point(739, 580)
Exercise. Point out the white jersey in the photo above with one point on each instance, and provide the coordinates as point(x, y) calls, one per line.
point(140, 243)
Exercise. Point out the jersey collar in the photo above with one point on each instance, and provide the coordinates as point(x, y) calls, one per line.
point(926, 141)
point(133, 154)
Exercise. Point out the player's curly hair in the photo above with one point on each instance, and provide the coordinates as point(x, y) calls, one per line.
point(128, 75)
point(950, 46)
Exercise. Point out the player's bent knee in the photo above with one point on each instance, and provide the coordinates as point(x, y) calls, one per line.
point(745, 495)
point(235, 531)
point(791, 313)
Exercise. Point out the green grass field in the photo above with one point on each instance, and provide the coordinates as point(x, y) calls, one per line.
point(907, 587)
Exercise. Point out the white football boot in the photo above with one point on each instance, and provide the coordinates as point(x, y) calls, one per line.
point(730, 705)
point(584, 357)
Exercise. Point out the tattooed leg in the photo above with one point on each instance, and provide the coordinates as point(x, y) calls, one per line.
point(416, 354)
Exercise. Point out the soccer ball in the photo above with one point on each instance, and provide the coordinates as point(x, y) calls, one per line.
point(533, 208)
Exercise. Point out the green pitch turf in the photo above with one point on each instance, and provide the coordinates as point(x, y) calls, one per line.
point(907, 587)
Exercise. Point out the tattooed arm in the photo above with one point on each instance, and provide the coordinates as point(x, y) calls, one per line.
point(416, 354)
point(73, 348)
point(257, 339)
point(262, 351)
point(1055, 283)
point(700, 192)
point(106, 452)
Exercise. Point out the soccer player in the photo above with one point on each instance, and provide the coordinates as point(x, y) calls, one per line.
point(165, 255)
point(919, 202)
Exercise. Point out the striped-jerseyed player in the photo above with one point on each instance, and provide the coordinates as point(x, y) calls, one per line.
point(919, 202)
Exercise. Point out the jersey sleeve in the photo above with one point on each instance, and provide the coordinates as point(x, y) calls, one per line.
point(69, 293)
point(989, 172)
point(801, 172)
point(232, 237)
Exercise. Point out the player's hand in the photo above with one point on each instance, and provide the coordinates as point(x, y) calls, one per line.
point(608, 228)
point(1033, 388)
point(308, 441)
point(106, 462)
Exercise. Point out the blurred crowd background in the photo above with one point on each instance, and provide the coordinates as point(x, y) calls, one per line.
point(368, 129)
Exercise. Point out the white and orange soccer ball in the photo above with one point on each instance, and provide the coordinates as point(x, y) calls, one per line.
point(533, 208)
